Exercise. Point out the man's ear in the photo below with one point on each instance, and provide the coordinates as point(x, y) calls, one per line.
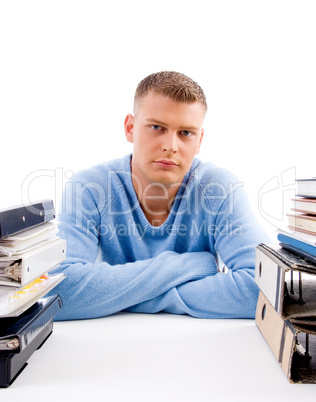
point(200, 141)
point(128, 127)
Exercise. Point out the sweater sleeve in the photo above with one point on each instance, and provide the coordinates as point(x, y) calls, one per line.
point(93, 289)
point(97, 290)
point(229, 294)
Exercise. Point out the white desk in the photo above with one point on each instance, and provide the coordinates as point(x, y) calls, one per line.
point(138, 357)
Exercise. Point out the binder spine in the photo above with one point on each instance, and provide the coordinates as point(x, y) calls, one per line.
point(12, 364)
point(269, 277)
point(17, 219)
point(38, 323)
point(33, 327)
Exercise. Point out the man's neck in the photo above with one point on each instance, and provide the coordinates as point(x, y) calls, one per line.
point(156, 201)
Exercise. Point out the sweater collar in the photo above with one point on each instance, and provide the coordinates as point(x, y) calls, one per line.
point(127, 178)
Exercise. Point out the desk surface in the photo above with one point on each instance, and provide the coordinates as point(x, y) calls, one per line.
point(160, 357)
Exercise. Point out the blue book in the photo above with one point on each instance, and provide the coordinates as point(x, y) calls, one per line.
point(301, 245)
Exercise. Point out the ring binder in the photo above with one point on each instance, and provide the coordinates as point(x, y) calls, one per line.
point(16, 219)
point(21, 336)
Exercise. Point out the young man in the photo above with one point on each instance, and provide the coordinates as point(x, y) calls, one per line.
point(148, 232)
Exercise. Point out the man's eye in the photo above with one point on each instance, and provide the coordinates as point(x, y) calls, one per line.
point(155, 127)
point(186, 133)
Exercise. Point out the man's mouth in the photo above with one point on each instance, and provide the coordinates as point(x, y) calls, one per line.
point(166, 163)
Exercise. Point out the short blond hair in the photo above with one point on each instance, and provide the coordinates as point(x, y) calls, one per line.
point(172, 84)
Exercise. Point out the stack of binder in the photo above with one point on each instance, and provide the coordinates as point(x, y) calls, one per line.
point(286, 310)
point(29, 249)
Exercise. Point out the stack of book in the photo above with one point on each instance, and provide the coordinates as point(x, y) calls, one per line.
point(29, 249)
point(286, 275)
point(300, 236)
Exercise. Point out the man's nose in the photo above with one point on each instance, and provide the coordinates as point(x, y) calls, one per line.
point(170, 143)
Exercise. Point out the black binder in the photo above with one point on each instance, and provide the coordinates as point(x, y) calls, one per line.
point(21, 336)
point(14, 220)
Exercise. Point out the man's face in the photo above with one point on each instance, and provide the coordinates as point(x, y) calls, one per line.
point(165, 135)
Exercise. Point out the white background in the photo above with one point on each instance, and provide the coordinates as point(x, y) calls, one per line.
point(69, 69)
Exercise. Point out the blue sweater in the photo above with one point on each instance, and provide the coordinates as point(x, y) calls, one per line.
point(116, 260)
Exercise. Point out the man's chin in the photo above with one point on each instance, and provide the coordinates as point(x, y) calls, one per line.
point(168, 181)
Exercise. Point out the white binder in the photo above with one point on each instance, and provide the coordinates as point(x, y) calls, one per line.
point(18, 270)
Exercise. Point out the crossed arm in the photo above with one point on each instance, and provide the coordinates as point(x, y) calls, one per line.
point(180, 283)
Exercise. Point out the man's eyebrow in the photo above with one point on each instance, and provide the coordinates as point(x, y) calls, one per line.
point(161, 123)
point(155, 121)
